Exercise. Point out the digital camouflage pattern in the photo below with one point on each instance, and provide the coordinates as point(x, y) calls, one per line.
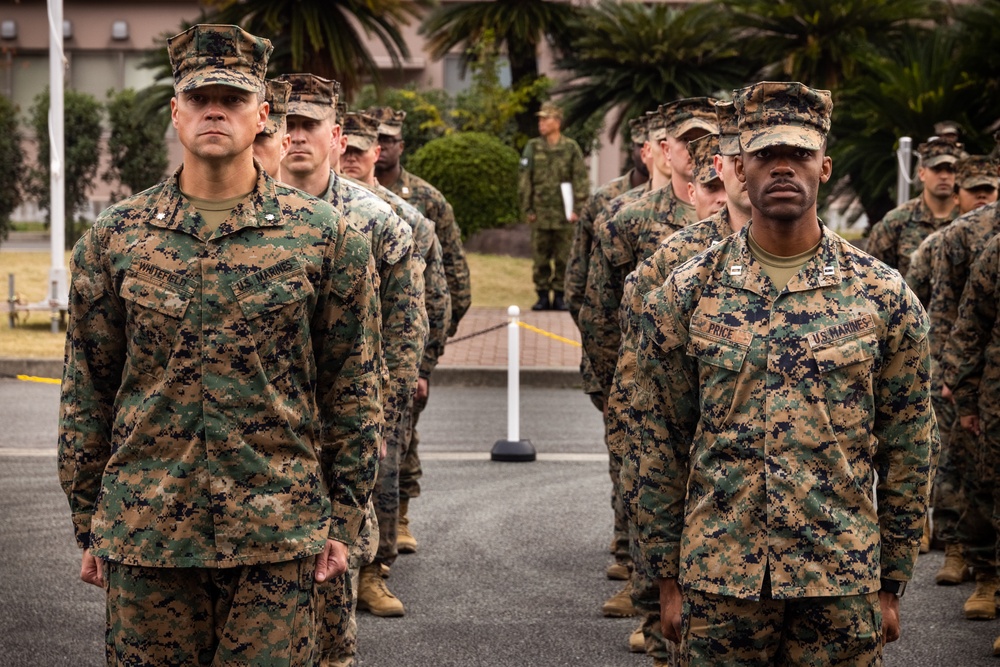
point(782, 113)
point(920, 274)
point(749, 633)
point(429, 201)
point(276, 96)
point(401, 288)
point(729, 129)
point(226, 55)
point(631, 236)
point(255, 615)
point(939, 151)
point(221, 398)
point(311, 96)
point(690, 113)
point(894, 238)
point(703, 151)
point(974, 171)
point(390, 121)
point(360, 129)
point(961, 242)
point(766, 416)
point(543, 168)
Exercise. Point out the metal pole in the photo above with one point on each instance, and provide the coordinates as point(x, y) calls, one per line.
point(59, 292)
point(513, 448)
point(904, 157)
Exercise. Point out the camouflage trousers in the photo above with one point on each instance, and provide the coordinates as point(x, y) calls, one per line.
point(385, 496)
point(948, 496)
point(980, 522)
point(410, 471)
point(255, 615)
point(337, 600)
point(722, 630)
point(549, 254)
point(646, 598)
point(620, 535)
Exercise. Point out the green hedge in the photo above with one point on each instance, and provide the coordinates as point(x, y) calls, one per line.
point(478, 175)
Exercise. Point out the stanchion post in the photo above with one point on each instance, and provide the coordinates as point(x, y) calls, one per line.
point(513, 448)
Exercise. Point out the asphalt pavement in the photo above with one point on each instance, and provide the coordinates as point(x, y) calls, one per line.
point(510, 567)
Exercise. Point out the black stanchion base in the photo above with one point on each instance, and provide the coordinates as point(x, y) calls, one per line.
point(509, 450)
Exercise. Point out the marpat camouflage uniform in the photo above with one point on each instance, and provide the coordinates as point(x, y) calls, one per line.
point(894, 238)
point(429, 201)
point(765, 418)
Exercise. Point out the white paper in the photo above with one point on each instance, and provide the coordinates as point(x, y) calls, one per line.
point(567, 195)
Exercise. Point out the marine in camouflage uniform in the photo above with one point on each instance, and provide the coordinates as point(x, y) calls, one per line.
point(976, 379)
point(431, 204)
point(548, 161)
point(221, 400)
point(894, 238)
point(768, 410)
point(271, 143)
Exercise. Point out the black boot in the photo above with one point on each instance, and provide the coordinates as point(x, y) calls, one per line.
point(543, 301)
point(558, 303)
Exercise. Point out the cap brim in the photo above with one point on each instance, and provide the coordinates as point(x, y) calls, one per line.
point(781, 135)
point(707, 177)
point(729, 144)
point(310, 110)
point(976, 181)
point(272, 125)
point(219, 77)
point(939, 159)
point(389, 131)
point(359, 142)
point(695, 123)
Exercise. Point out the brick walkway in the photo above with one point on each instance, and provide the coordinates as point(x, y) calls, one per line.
point(537, 350)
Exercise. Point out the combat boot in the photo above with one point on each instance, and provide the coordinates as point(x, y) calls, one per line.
point(925, 541)
point(618, 571)
point(996, 646)
point(982, 604)
point(543, 301)
point(620, 604)
point(558, 303)
point(637, 641)
point(954, 571)
point(406, 543)
point(373, 594)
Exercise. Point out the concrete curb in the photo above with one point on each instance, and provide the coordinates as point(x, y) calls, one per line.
point(444, 376)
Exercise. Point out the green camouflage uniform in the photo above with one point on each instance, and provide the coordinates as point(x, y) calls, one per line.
point(429, 201)
point(975, 342)
point(960, 245)
point(894, 238)
point(650, 274)
point(221, 400)
point(765, 417)
point(543, 169)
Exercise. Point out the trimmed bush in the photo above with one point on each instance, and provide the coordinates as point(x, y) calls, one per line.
point(478, 175)
point(11, 164)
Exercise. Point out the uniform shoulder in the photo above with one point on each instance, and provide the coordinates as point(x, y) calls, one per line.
point(135, 207)
point(423, 187)
point(902, 214)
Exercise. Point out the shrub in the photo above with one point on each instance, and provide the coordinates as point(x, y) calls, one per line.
point(478, 175)
point(11, 164)
point(137, 145)
point(426, 111)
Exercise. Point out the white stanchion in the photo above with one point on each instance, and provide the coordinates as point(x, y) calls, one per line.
point(513, 448)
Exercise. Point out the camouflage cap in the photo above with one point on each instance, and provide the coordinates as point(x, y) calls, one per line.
point(946, 127)
point(975, 170)
point(550, 110)
point(360, 129)
point(312, 96)
point(225, 55)
point(276, 94)
point(638, 130)
point(782, 113)
point(656, 131)
point(682, 116)
point(729, 128)
point(940, 151)
point(702, 151)
point(390, 121)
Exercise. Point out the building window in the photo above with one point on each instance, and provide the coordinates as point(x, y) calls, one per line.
point(457, 81)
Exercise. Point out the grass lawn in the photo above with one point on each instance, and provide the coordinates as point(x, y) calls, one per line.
point(497, 282)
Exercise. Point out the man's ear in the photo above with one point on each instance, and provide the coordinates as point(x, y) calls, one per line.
point(738, 169)
point(827, 171)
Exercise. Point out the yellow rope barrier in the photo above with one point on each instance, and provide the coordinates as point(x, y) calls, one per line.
point(548, 335)
point(32, 378)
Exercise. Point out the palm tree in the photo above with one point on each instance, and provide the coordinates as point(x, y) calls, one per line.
point(519, 25)
point(819, 42)
point(630, 57)
point(322, 36)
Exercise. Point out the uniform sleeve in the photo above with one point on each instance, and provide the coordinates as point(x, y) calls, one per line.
point(918, 276)
point(581, 180)
point(967, 344)
point(578, 262)
point(525, 181)
point(94, 362)
point(347, 346)
point(950, 269)
point(439, 310)
point(881, 243)
point(456, 267)
point(665, 398)
point(906, 433)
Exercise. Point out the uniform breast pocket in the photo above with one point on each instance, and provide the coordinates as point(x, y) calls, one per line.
point(846, 368)
point(277, 319)
point(719, 366)
point(155, 317)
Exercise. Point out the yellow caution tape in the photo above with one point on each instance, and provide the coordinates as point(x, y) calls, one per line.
point(32, 378)
point(548, 334)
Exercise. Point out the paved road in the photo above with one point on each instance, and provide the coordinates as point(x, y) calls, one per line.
point(509, 572)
